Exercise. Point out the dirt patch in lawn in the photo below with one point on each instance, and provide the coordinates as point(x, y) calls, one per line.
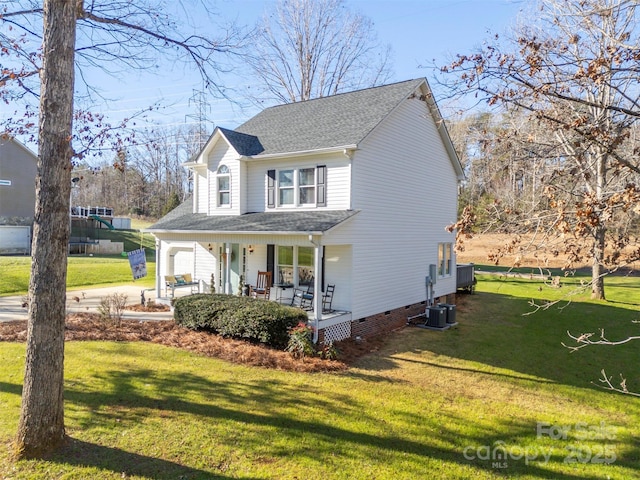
point(89, 326)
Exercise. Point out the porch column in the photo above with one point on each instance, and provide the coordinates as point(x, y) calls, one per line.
point(227, 268)
point(317, 287)
point(158, 270)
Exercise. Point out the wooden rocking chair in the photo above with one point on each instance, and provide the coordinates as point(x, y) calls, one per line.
point(262, 289)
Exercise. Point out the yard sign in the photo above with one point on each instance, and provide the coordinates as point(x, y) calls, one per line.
point(138, 263)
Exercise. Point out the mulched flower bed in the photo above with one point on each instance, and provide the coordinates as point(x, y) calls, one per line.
point(90, 326)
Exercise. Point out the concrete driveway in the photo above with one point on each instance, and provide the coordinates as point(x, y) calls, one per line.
point(87, 300)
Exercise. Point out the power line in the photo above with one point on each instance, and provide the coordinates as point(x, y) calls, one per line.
point(199, 99)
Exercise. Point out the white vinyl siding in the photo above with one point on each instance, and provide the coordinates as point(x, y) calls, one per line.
point(406, 188)
point(338, 178)
point(202, 191)
point(183, 262)
point(221, 155)
point(205, 261)
point(338, 270)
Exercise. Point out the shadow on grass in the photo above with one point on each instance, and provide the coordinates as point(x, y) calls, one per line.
point(83, 454)
point(473, 370)
point(494, 331)
point(11, 388)
point(329, 440)
point(225, 401)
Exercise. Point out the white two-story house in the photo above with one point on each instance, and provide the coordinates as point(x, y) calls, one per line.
point(354, 190)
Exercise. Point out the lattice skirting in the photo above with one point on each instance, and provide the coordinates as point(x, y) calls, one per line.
point(337, 332)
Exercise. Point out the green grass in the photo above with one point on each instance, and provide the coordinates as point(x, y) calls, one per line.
point(427, 405)
point(82, 272)
point(86, 271)
point(141, 224)
point(132, 240)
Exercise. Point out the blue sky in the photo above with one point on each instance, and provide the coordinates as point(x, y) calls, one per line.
point(419, 31)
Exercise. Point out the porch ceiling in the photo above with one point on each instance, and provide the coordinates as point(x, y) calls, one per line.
point(182, 219)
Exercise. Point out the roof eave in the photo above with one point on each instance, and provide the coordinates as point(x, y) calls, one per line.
point(429, 99)
point(319, 151)
point(342, 222)
point(238, 232)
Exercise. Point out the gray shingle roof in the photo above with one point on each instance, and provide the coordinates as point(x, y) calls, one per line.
point(336, 121)
point(182, 219)
point(244, 144)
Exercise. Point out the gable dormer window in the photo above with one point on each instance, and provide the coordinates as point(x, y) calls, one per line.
point(223, 180)
point(297, 187)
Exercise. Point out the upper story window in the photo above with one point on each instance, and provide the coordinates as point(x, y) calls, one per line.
point(297, 187)
point(307, 186)
point(286, 187)
point(223, 179)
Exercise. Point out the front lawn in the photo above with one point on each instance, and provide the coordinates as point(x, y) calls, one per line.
point(82, 272)
point(497, 397)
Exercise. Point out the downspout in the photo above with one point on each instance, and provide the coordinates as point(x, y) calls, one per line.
point(317, 287)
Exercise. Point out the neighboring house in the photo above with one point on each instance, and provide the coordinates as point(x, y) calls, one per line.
point(18, 168)
point(354, 190)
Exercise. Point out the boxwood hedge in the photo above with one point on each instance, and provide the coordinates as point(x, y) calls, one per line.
point(238, 317)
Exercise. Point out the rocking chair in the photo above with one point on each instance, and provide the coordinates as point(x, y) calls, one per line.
point(303, 298)
point(327, 298)
point(262, 288)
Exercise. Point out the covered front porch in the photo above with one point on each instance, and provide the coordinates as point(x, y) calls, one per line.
point(332, 325)
point(223, 254)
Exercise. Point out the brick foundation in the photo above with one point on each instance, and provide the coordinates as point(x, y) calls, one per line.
point(389, 321)
point(386, 322)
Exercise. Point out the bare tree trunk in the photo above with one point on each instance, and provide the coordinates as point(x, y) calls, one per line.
point(597, 270)
point(41, 425)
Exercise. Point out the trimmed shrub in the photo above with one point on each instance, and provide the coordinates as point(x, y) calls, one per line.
point(238, 317)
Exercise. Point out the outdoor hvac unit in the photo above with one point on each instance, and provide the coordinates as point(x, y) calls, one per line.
point(450, 312)
point(437, 317)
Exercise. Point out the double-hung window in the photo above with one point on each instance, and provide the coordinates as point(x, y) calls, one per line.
point(285, 265)
point(307, 186)
point(223, 180)
point(295, 265)
point(286, 187)
point(444, 259)
point(293, 187)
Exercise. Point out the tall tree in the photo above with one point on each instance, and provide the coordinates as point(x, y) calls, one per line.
point(75, 34)
point(42, 414)
point(314, 48)
point(576, 74)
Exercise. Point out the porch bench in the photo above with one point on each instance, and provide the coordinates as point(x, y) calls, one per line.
point(180, 281)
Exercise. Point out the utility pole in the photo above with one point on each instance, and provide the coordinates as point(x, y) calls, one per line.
point(199, 133)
